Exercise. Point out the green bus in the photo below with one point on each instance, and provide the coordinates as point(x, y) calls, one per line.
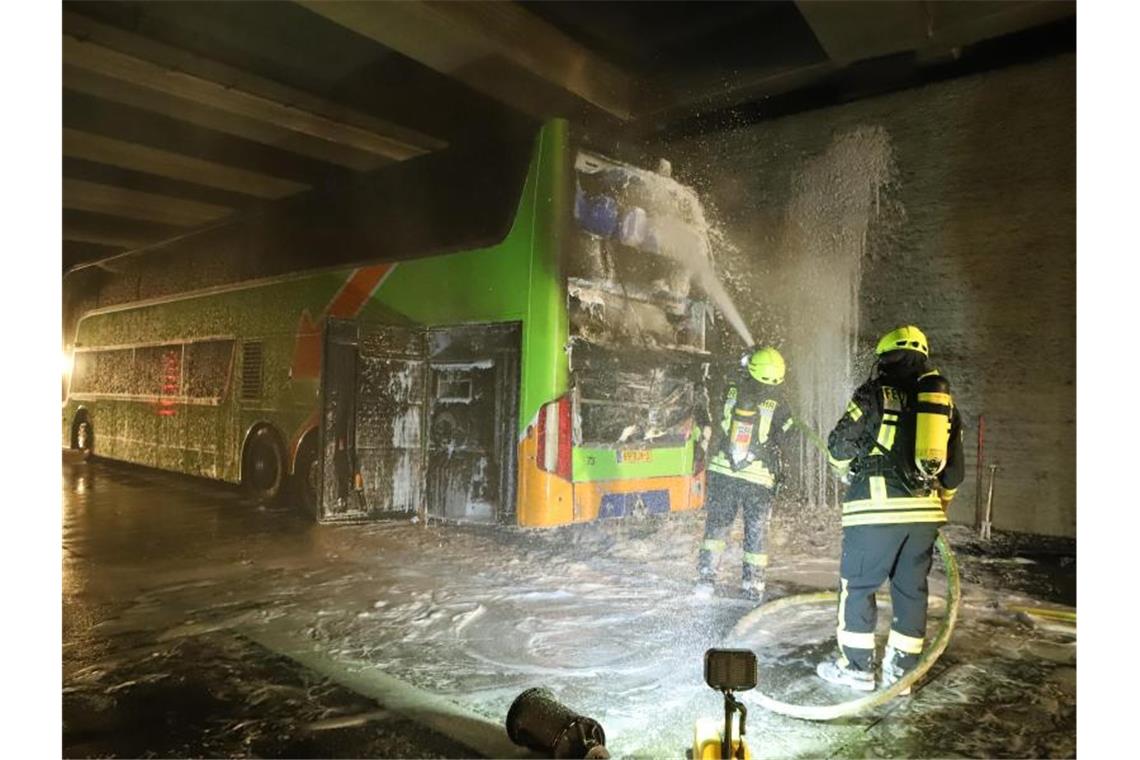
point(547, 375)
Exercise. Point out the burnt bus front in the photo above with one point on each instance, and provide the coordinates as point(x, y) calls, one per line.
point(623, 440)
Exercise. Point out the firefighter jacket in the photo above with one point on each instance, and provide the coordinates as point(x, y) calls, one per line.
point(772, 423)
point(874, 441)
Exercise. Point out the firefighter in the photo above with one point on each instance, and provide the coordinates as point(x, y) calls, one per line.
point(744, 468)
point(899, 448)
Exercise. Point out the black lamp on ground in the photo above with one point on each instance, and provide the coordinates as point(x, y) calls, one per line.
point(541, 723)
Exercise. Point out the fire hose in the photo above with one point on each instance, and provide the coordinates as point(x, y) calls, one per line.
point(856, 706)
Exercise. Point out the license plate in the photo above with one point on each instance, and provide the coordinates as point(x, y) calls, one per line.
point(634, 455)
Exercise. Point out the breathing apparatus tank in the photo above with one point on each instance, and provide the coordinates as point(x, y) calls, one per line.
point(741, 430)
point(933, 409)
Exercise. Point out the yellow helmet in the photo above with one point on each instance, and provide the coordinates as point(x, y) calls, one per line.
point(767, 366)
point(907, 337)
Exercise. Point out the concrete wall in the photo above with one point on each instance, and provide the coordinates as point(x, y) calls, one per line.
point(972, 235)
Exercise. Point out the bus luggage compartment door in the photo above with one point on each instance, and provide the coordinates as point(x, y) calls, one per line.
point(473, 378)
point(371, 432)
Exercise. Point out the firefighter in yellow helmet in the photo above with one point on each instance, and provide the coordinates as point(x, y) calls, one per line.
point(744, 467)
point(899, 448)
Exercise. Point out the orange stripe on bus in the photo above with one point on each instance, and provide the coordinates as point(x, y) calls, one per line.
point(356, 291)
point(347, 303)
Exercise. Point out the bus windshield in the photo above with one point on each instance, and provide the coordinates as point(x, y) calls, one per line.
point(634, 397)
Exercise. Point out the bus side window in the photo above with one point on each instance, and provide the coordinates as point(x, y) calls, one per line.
point(149, 375)
point(83, 373)
point(208, 368)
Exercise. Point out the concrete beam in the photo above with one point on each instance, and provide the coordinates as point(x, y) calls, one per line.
point(148, 207)
point(857, 30)
point(106, 118)
point(162, 163)
point(854, 30)
point(264, 132)
point(105, 174)
point(458, 39)
point(82, 227)
point(178, 83)
point(720, 90)
point(953, 24)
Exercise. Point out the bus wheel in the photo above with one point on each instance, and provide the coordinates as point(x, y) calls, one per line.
point(307, 478)
point(83, 435)
point(263, 466)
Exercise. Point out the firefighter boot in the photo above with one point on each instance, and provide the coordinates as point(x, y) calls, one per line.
point(707, 563)
point(752, 583)
point(841, 674)
point(893, 670)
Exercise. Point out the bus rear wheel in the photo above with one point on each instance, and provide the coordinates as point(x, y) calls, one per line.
point(307, 477)
point(263, 466)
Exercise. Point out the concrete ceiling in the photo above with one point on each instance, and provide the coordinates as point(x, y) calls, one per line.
point(179, 115)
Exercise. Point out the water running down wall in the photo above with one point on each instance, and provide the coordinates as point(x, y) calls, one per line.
point(797, 270)
point(984, 259)
point(835, 199)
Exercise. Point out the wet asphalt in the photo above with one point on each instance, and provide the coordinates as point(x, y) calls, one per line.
point(172, 586)
point(171, 691)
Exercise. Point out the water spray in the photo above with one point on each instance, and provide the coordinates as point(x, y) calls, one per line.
point(689, 248)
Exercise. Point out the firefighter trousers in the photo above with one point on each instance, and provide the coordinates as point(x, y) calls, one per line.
point(726, 495)
point(871, 555)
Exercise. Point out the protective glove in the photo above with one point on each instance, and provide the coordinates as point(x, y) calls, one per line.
point(739, 464)
point(772, 455)
point(842, 471)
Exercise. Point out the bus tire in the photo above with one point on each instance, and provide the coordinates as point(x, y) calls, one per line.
point(263, 466)
point(83, 434)
point(306, 477)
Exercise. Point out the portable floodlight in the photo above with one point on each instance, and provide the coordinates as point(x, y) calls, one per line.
point(726, 670)
point(730, 669)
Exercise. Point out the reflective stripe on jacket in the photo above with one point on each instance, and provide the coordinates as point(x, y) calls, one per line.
point(756, 472)
point(772, 426)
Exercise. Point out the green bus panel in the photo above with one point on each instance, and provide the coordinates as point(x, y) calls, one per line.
point(631, 464)
point(516, 280)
